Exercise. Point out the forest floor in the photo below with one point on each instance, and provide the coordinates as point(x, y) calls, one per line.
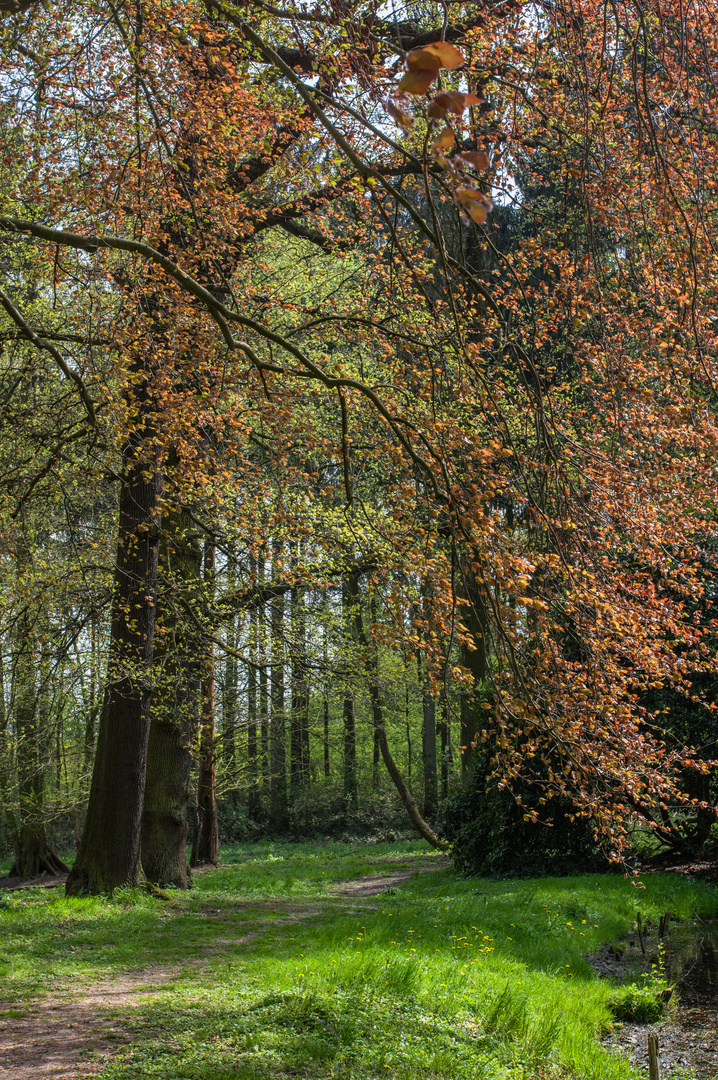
point(324, 960)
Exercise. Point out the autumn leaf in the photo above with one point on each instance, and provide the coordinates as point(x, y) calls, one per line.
point(454, 101)
point(403, 119)
point(435, 111)
point(477, 159)
point(417, 82)
point(443, 141)
point(433, 57)
point(474, 203)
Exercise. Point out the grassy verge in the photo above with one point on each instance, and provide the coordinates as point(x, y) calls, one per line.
point(274, 975)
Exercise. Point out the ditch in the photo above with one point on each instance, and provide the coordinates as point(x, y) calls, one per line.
point(687, 957)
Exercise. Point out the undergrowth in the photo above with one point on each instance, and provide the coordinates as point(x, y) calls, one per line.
point(273, 975)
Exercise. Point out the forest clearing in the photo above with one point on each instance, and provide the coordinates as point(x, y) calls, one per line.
point(332, 960)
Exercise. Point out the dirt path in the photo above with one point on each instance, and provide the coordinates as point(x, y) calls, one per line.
point(50, 1038)
point(379, 883)
point(72, 1033)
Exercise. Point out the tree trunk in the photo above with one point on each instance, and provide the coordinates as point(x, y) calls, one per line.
point(254, 786)
point(351, 792)
point(476, 660)
point(299, 741)
point(327, 770)
point(263, 691)
point(206, 839)
point(278, 749)
point(407, 721)
point(173, 714)
point(230, 713)
point(33, 854)
point(372, 668)
point(445, 743)
point(109, 852)
point(428, 743)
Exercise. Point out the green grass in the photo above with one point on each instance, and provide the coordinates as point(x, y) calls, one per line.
point(446, 978)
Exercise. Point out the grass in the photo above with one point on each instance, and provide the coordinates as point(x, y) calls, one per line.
point(444, 977)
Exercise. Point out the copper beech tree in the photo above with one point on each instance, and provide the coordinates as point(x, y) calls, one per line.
point(514, 384)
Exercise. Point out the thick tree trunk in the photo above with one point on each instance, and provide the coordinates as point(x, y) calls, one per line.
point(206, 840)
point(351, 791)
point(109, 851)
point(372, 668)
point(164, 818)
point(173, 714)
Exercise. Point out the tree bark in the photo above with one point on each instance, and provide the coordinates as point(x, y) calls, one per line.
point(173, 714)
point(278, 749)
point(428, 743)
point(445, 743)
point(263, 692)
point(254, 786)
point(476, 660)
point(327, 769)
point(206, 839)
point(299, 741)
point(351, 791)
point(109, 851)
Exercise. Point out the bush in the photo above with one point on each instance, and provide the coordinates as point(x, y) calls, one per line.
point(637, 1004)
point(490, 836)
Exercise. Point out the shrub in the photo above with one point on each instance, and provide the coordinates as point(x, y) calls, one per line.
point(637, 1004)
point(490, 836)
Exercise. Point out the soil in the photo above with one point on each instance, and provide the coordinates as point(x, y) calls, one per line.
point(379, 883)
point(44, 880)
point(72, 1034)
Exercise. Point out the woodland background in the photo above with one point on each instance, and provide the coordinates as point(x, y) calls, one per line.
point(358, 436)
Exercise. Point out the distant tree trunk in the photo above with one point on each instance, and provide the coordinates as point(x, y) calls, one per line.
point(376, 748)
point(278, 748)
point(370, 660)
point(93, 706)
point(205, 848)
point(263, 691)
point(33, 854)
point(428, 742)
point(327, 770)
point(299, 764)
point(445, 743)
point(253, 793)
point(351, 791)
point(173, 713)
point(407, 720)
point(476, 660)
point(230, 712)
point(109, 852)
